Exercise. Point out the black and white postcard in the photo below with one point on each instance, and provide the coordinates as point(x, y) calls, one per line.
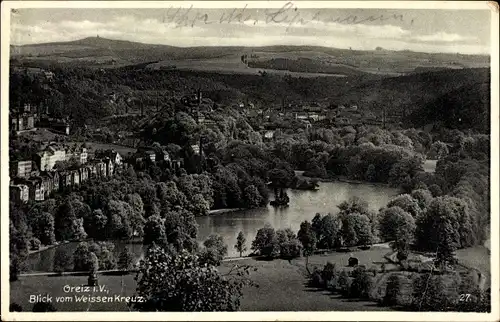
point(330, 160)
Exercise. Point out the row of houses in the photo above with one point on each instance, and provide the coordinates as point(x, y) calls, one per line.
point(149, 155)
point(46, 159)
point(39, 185)
point(37, 179)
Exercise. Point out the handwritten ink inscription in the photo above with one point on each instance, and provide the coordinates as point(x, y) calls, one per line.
point(288, 15)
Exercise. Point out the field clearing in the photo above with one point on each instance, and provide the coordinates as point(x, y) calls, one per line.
point(231, 65)
point(430, 166)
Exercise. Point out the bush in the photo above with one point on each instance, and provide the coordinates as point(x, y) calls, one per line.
point(361, 283)
point(392, 290)
point(344, 283)
point(291, 249)
point(315, 279)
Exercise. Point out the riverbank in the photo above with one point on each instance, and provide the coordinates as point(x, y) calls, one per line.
point(45, 247)
point(300, 175)
point(223, 211)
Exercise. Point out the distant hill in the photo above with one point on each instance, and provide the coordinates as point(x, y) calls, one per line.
point(97, 51)
point(467, 107)
point(411, 94)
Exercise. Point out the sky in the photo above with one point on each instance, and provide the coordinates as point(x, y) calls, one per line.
point(436, 30)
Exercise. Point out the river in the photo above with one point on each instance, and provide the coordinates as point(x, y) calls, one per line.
point(303, 206)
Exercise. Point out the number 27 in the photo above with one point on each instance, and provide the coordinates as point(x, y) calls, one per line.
point(464, 297)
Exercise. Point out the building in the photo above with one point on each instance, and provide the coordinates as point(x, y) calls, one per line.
point(21, 169)
point(22, 122)
point(46, 159)
point(65, 180)
point(78, 152)
point(85, 173)
point(19, 193)
point(163, 156)
point(177, 164)
point(150, 155)
point(196, 149)
point(269, 135)
point(36, 191)
point(115, 157)
point(50, 182)
point(75, 177)
point(109, 167)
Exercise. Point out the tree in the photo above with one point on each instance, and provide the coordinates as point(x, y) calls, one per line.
point(43, 228)
point(106, 257)
point(316, 225)
point(96, 224)
point(181, 229)
point(64, 221)
point(396, 223)
point(137, 220)
point(356, 229)
point(439, 150)
point(423, 197)
point(118, 225)
point(353, 205)
point(62, 260)
point(18, 248)
point(81, 257)
point(252, 197)
point(307, 238)
point(179, 282)
point(241, 243)
point(198, 205)
point(443, 227)
point(93, 263)
point(266, 242)
point(154, 231)
point(78, 229)
point(407, 203)
point(330, 228)
point(215, 249)
point(126, 260)
point(289, 246)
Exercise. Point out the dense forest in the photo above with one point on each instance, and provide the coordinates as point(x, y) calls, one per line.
point(151, 201)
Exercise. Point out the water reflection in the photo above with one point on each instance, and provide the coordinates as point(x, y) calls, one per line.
point(303, 206)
